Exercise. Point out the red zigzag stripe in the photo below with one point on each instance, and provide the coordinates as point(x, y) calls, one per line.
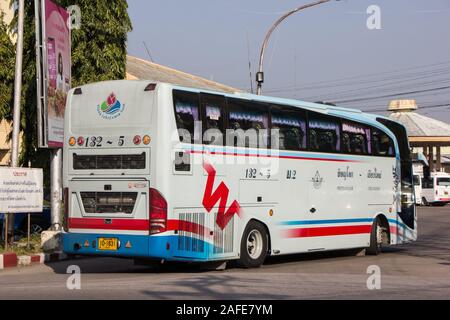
point(210, 198)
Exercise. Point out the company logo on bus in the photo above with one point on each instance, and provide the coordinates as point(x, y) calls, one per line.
point(111, 108)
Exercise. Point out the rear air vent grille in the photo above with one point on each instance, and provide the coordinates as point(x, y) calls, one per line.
point(108, 202)
point(223, 239)
point(191, 232)
point(109, 162)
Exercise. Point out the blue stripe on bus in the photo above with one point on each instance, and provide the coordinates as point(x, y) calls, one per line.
point(337, 221)
point(309, 222)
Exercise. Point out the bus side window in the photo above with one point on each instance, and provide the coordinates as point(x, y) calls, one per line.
point(248, 124)
point(382, 144)
point(356, 138)
point(324, 134)
point(186, 115)
point(288, 129)
point(213, 108)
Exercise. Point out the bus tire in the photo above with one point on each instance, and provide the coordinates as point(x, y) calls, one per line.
point(425, 202)
point(254, 245)
point(376, 238)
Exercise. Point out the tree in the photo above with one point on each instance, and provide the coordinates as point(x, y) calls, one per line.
point(98, 53)
point(7, 56)
point(99, 47)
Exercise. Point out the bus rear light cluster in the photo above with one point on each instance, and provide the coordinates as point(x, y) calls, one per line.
point(80, 141)
point(158, 212)
point(146, 139)
point(72, 141)
point(137, 140)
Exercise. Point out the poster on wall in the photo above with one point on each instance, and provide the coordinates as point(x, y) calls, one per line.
point(54, 71)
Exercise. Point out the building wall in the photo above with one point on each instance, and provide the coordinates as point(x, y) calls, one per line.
point(9, 12)
point(5, 146)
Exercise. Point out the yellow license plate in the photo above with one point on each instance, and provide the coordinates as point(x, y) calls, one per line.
point(108, 244)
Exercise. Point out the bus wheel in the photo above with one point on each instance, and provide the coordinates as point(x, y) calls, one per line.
point(376, 238)
point(425, 202)
point(253, 245)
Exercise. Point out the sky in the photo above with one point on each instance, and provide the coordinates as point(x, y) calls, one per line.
point(324, 53)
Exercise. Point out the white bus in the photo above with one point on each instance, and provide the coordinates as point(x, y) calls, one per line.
point(436, 189)
point(157, 171)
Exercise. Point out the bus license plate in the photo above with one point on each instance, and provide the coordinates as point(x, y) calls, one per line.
point(108, 244)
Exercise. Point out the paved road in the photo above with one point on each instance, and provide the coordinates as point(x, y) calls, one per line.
point(417, 271)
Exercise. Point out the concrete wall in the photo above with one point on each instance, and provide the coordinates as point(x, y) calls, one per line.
point(9, 12)
point(5, 147)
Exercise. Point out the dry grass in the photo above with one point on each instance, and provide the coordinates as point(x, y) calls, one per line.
point(21, 248)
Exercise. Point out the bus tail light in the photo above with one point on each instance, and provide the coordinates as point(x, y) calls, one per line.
point(158, 212)
point(80, 141)
point(137, 140)
point(66, 209)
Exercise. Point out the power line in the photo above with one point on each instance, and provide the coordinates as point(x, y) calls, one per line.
point(148, 51)
point(421, 108)
point(367, 76)
point(395, 79)
point(385, 87)
point(391, 95)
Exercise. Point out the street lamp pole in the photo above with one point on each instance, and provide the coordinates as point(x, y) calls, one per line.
point(16, 110)
point(260, 74)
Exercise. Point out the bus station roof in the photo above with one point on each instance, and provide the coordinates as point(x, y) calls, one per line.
point(421, 129)
point(146, 70)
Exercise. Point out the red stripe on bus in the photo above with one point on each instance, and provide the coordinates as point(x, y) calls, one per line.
point(115, 224)
point(134, 225)
point(393, 229)
point(328, 231)
point(187, 226)
point(267, 156)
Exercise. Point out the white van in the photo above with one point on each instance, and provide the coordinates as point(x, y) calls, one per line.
point(436, 189)
point(418, 188)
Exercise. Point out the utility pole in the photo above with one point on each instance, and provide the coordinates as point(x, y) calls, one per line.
point(260, 73)
point(56, 188)
point(17, 100)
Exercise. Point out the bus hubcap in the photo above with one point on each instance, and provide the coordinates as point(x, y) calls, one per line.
point(379, 236)
point(254, 244)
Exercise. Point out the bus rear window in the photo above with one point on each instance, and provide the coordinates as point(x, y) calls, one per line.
point(109, 162)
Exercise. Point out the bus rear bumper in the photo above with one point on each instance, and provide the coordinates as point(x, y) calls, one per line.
point(130, 246)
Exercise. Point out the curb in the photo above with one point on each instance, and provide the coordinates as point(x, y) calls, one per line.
point(10, 260)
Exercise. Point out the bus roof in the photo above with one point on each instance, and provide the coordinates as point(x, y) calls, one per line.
point(348, 113)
